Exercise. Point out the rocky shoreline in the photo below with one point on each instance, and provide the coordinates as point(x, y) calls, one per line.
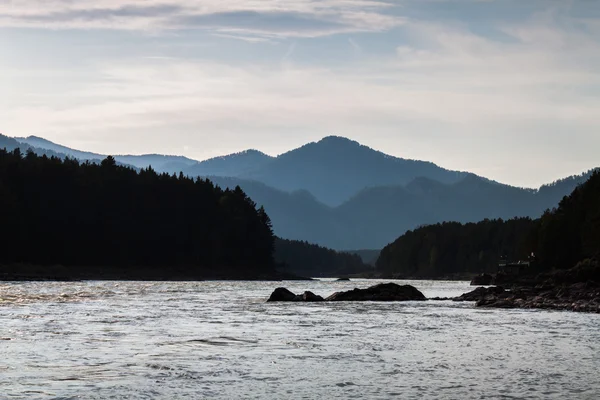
point(580, 297)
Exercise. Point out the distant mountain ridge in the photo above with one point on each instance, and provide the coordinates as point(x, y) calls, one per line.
point(373, 217)
point(332, 169)
point(161, 163)
point(335, 168)
point(234, 165)
point(340, 194)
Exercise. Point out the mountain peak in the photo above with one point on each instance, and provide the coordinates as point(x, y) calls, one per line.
point(337, 140)
point(32, 138)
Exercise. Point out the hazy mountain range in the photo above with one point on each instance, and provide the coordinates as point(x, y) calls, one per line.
point(341, 194)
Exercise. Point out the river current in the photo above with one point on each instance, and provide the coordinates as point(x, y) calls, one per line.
point(207, 340)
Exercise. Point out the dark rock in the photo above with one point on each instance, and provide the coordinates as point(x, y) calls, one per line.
point(483, 279)
point(310, 296)
point(380, 292)
point(497, 303)
point(342, 279)
point(282, 294)
point(576, 297)
point(480, 293)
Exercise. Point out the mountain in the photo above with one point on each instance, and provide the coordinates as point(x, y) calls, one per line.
point(296, 215)
point(233, 165)
point(11, 144)
point(160, 163)
point(41, 143)
point(379, 196)
point(332, 169)
point(375, 216)
point(379, 212)
point(336, 168)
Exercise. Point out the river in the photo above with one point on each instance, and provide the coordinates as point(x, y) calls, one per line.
point(207, 340)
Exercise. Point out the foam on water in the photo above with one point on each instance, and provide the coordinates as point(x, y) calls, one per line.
point(221, 340)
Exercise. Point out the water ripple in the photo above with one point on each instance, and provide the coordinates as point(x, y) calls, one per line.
point(103, 340)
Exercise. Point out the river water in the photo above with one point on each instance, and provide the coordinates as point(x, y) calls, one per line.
point(197, 340)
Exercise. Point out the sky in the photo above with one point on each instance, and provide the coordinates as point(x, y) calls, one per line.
point(507, 89)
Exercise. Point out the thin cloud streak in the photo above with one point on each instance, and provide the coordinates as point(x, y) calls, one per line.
point(287, 18)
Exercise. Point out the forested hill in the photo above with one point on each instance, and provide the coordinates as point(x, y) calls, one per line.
point(11, 144)
point(305, 259)
point(109, 221)
point(561, 238)
point(453, 249)
point(49, 149)
point(571, 233)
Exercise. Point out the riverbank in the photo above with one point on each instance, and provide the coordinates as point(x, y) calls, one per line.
point(60, 273)
point(575, 289)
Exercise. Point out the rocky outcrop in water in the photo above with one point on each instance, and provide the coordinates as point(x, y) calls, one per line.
point(310, 296)
point(380, 292)
point(283, 294)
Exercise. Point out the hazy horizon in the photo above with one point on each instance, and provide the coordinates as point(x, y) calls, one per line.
point(504, 89)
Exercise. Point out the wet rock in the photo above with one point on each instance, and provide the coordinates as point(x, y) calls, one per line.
point(310, 296)
point(497, 303)
point(342, 279)
point(483, 279)
point(282, 294)
point(580, 297)
point(480, 293)
point(380, 292)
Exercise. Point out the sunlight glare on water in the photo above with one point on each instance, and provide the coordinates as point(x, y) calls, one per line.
point(222, 340)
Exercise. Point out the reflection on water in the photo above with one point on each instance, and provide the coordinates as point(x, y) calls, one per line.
point(221, 340)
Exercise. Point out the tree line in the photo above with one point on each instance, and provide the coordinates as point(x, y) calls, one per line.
point(107, 220)
point(561, 238)
point(311, 260)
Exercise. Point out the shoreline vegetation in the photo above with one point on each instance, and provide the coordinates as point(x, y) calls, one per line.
point(72, 220)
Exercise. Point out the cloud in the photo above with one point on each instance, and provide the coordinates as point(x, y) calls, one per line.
point(287, 18)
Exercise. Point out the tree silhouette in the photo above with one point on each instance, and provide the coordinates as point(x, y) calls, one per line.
point(108, 220)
